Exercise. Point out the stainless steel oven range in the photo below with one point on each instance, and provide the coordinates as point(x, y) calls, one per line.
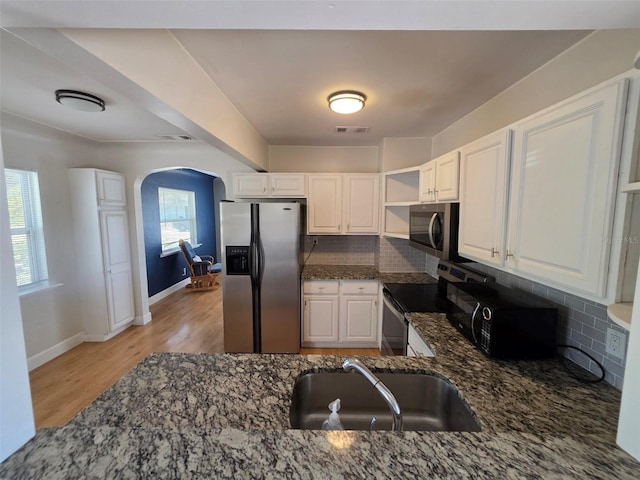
point(402, 298)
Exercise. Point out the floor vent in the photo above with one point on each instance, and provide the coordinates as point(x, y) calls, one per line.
point(351, 130)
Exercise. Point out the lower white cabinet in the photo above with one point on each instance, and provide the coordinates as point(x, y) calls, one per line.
point(416, 347)
point(340, 313)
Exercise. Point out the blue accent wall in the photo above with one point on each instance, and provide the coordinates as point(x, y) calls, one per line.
point(167, 271)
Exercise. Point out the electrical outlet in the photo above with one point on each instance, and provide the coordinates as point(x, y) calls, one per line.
point(184, 271)
point(616, 343)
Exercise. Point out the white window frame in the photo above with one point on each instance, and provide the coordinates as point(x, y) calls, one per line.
point(189, 215)
point(33, 229)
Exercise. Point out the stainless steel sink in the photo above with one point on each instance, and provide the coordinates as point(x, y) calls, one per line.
point(428, 403)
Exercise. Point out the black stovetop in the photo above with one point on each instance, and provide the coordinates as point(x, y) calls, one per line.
point(417, 297)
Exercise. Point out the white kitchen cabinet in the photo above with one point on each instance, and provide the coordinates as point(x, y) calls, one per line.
point(439, 178)
point(428, 182)
point(343, 204)
point(266, 185)
point(361, 200)
point(101, 233)
point(320, 312)
point(324, 207)
point(111, 189)
point(483, 196)
point(287, 185)
point(563, 184)
point(250, 185)
point(416, 347)
point(340, 313)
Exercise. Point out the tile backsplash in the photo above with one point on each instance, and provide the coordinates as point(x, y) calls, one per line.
point(396, 255)
point(582, 324)
point(340, 250)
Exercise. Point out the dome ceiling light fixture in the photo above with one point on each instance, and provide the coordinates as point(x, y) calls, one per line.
point(83, 102)
point(346, 101)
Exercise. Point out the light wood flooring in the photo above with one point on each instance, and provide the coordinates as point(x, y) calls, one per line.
point(185, 321)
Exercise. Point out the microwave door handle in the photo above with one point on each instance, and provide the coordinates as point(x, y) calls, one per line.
point(473, 321)
point(430, 231)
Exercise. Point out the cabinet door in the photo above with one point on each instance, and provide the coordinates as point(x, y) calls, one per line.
point(565, 167)
point(111, 189)
point(117, 267)
point(447, 177)
point(324, 208)
point(251, 185)
point(320, 319)
point(361, 203)
point(290, 186)
point(428, 182)
point(359, 320)
point(483, 194)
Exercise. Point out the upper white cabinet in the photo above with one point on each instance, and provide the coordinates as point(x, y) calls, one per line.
point(343, 204)
point(324, 208)
point(439, 178)
point(111, 189)
point(287, 185)
point(483, 196)
point(361, 200)
point(101, 231)
point(563, 183)
point(264, 185)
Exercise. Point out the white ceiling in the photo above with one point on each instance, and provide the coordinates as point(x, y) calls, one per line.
point(29, 78)
point(279, 75)
point(416, 83)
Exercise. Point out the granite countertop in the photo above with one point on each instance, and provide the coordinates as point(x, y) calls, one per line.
point(362, 272)
point(226, 416)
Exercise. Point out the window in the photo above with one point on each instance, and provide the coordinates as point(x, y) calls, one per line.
point(177, 217)
point(25, 219)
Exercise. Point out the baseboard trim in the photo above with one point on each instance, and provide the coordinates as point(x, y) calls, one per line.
point(55, 351)
point(98, 337)
point(141, 320)
point(168, 291)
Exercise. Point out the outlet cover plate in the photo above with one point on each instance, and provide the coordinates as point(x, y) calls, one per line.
point(616, 341)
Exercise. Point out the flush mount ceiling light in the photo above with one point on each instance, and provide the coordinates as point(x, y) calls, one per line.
point(346, 101)
point(83, 102)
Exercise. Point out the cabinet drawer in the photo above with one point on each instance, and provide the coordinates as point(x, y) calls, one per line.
point(321, 287)
point(417, 345)
point(359, 287)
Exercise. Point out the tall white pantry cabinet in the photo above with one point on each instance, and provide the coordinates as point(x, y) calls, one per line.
point(101, 232)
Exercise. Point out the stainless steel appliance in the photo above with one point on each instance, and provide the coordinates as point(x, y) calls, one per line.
point(433, 228)
point(261, 276)
point(503, 322)
point(402, 298)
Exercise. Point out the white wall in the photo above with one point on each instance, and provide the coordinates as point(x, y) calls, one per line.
point(16, 414)
point(293, 158)
point(50, 318)
point(404, 152)
point(600, 56)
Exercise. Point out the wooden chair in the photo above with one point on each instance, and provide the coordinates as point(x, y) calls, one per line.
point(204, 271)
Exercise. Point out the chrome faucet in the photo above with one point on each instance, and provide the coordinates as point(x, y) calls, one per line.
point(351, 364)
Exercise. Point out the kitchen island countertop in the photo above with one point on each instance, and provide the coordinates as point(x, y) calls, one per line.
point(226, 416)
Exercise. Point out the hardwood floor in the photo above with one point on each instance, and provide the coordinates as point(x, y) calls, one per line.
point(185, 321)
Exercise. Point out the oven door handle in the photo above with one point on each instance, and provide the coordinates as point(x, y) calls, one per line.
point(389, 304)
point(430, 230)
point(473, 321)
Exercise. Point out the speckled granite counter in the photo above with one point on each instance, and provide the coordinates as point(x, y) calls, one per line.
point(361, 272)
point(226, 416)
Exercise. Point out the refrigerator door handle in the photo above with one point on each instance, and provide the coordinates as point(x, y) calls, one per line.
point(254, 260)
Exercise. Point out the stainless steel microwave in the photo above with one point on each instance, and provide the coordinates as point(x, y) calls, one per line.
point(433, 228)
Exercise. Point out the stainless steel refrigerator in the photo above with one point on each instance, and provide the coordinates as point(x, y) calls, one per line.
point(261, 276)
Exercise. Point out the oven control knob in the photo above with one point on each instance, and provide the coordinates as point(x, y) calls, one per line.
point(486, 313)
